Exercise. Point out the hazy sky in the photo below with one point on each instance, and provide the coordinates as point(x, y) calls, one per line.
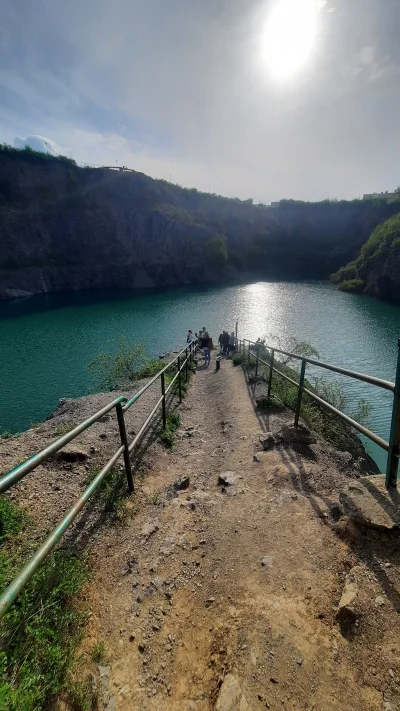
point(211, 93)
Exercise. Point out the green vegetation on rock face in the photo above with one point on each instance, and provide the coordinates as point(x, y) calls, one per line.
point(375, 271)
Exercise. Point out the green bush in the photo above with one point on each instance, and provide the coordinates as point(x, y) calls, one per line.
point(238, 358)
point(354, 286)
point(216, 251)
point(169, 433)
point(112, 370)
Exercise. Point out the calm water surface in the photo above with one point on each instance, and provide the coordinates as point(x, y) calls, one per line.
point(47, 341)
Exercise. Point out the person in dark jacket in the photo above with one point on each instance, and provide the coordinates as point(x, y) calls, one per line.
point(225, 342)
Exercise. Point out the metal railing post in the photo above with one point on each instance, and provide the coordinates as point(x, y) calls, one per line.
point(163, 404)
point(257, 351)
point(270, 372)
point(300, 393)
point(394, 440)
point(248, 354)
point(124, 441)
point(236, 328)
point(180, 379)
point(186, 365)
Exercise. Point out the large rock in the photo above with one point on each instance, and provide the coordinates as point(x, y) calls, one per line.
point(348, 610)
point(367, 502)
point(72, 453)
point(231, 697)
point(267, 441)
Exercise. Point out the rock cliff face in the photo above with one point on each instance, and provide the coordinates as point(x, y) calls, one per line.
point(376, 271)
point(67, 228)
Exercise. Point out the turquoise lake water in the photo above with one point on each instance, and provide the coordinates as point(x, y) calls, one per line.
point(47, 341)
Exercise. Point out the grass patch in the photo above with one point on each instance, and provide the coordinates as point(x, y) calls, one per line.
point(82, 695)
point(168, 435)
point(155, 499)
point(41, 631)
point(5, 435)
point(63, 430)
point(112, 492)
point(98, 652)
point(238, 358)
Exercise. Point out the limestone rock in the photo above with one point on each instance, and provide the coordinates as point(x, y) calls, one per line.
point(347, 613)
point(367, 502)
point(149, 528)
point(227, 479)
point(231, 697)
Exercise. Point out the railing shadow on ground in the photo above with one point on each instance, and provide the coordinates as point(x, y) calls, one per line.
point(372, 547)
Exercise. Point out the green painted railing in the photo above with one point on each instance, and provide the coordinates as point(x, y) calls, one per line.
point(392, 447)
point(121, 405)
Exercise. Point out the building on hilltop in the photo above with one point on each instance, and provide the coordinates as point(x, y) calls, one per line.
point(379, 196)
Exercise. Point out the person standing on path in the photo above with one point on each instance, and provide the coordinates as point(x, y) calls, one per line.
point(205, 342)
point(225, 342)
point(190, 336)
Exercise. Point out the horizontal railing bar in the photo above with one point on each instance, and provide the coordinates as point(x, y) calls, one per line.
point(286, 377)
point(136, 397)
point(16, 474)
point(145, 424)
point(364, 430)
point(15, 587)
point(386, 384)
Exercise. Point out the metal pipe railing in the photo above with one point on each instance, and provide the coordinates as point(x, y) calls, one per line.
point(121, 404)
point(392, 447)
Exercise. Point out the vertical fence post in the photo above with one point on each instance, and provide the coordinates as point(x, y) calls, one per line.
point(236, 328)
point(257, 352)
point(271, 368)
point(186, 364)
point(164, 405)
point(124, 441)
point(300, 392)
point(394, 441)
point(248, 354)
point(180, 379)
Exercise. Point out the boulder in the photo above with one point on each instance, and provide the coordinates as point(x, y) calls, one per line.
point(231, 697)
point(149, 529)
point(367, 502)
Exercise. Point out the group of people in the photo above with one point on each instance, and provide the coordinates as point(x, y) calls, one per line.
point(227, 342)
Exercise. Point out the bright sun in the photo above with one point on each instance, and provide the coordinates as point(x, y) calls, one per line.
point(289, 36)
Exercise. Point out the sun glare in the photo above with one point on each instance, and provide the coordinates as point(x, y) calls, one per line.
point(289, 36)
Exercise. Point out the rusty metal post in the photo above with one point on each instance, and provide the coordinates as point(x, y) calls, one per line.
point(180, 380)
point(271, 368)
point(164, 406)
point(300, 392)
point(124, 441)
point(394, 441)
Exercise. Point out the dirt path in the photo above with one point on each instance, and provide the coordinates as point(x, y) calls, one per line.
point(242, 579)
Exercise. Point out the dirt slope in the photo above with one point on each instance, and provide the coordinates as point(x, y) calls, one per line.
point(244, 578)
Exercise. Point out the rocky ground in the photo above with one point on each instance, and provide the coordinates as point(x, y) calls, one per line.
point(237, 581)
